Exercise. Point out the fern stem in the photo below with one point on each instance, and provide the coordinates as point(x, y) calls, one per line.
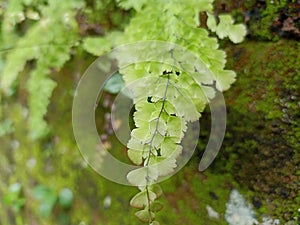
point(151, 146)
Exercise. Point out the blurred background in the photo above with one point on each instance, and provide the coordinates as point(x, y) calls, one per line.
point(44, 179)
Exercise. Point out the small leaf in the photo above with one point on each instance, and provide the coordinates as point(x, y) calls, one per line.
point(158, 127)
point(169, 108)
point(169, 148)
point(144, 215)
point(156, 206)
point(185, 107)
point(237, 33)
point(145, 112)
point(224, 26)
point(156, 189)
point(135, 144)
point(163, 166)
point(136, 156)
point(96, 46)
point(141, 133)
point(176, 127)
point(224, 79)
point(140, 200)
point(211, 22)
point(138, 177)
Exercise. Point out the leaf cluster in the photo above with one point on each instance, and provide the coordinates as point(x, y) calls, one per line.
point(168, 97)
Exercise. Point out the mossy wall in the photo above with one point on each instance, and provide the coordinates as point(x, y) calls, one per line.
point(262, 144)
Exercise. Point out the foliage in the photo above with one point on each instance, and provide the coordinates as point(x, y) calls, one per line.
point(176, 96)
point(161, 109)
point(49, 52)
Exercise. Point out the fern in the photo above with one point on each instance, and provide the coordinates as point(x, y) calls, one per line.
point(168, 94)
point(167, 98)
point(46, 43)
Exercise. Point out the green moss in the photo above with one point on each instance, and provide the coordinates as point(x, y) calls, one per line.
point(192, 191)
point(262, 147)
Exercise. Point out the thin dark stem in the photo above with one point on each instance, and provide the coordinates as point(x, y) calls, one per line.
point(151, 146)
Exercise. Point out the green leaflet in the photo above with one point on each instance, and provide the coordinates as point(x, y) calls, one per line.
point(156, 206)
point(211, 22)
point(170, 148)
point(40, 90)
point(101, 45)
point(136, 156)
point(144, 216)
point(159, 126)
point(140, 200)
point(176, 127)
point(156, 189)
point(138, 177)
point(227, 28)
point(162, 165)
point(97, 46)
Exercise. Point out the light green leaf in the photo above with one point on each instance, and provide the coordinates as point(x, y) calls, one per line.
point(226, 28)
point(145, 112)
point(156, 206)
point(158, 126)
point(157, 140)
point(135, 144)
point(141, 133)
point(211, 22)
point(176, 127)
point(237, 33)
point(140, 200)
point(163, 166)
point(224, 79)
point(144, 216)
point(156, 189)
point(138, 177)
point(169, 108)
point(170, 148)
point(96, 45)
point(155, 223)
point(136, 156)
point(185, 107)
point(223, 28)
